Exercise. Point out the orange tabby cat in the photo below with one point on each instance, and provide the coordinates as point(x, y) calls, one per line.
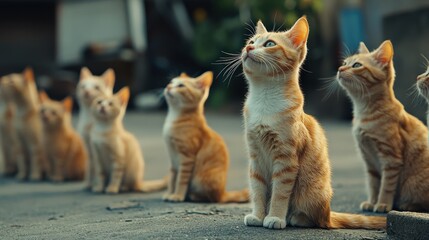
point(88, 88)
point(64, 147)
point(8, 136)
point(31, 161)
point(199, 157)
point(391, 142)
point(290, 175)
point(118, 160)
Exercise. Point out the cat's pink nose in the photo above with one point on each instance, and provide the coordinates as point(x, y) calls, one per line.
point(342, 68)
point(249, 48)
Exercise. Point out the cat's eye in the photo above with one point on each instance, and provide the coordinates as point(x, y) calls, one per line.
point(356, 65)
point(251, 42)
point(99, 102)
point(269, 43)
point(180, 85)
point(110, 104)
point(344, 63)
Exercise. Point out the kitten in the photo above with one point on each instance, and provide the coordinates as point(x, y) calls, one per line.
point(199, 157)
point(391, 142)
point(290, 175)
point(423, 89)
point(8, 135)
point(31, 161)
point(64, 147)
point(88, 88)
point(117, 157)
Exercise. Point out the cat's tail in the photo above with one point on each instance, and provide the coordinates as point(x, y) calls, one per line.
point(153, 185)
point(241, 196)
point(346, 220)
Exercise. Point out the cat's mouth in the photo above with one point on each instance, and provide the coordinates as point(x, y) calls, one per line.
point(252, 58)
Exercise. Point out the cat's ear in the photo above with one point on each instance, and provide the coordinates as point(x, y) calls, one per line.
point(205, 80)
point(28, 74)
point(384, 53)
point(260, 28)
point(85, 73)
point(298, 34)
point(68, 104)
point(43, 96)
point(183, 75)
point(109, 78)
point(124, 95)
point(362, 48)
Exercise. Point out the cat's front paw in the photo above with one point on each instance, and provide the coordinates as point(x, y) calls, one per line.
point(112, 190)
point(253, 221)
point(382, 208)
point(57, 178)
point(273, 222)
point(20, 176)
point(97, 189)
point(174, 198)
point(366, 206)
point(36, 177)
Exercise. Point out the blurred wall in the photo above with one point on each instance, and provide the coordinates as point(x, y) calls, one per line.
point(84, 22)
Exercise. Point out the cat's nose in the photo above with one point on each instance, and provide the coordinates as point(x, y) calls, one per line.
point(249, 48)
point(342, 68)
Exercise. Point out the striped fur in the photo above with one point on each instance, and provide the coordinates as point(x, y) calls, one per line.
point(290, 175)
point(391, 142)
point(199, 157)
point(116, 153)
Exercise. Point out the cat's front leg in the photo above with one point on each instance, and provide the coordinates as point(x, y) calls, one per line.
point(258, 192)
point(35, 163)
point(171, 184)
point(99, 178)
point(373, 181)
point(391, 169)
point(183, 178)
point(57, 169)
point(118, 170)
point(285, 170)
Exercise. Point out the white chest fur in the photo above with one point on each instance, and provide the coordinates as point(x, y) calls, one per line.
point(264, 103)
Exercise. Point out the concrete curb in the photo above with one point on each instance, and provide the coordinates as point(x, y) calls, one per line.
point(407, 225)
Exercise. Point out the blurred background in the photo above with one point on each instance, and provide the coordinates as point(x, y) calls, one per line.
point(147, 42)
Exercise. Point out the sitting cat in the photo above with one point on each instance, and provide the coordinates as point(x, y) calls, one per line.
point(31, 161)
point(8, 136)
point(117, 157)
point(290, 174)
point(88, 88)
point(64, 147)
point(199, 157)
point(392, 142)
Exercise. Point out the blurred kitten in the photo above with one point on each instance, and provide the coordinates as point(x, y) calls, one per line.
point(117, 157)
point(8, 136)
point(64, 147)
point(392, 142)
point(88, 88)
point(199, 157)
point(31, 161)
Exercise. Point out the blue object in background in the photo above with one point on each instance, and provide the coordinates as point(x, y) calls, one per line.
point(351, 28)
